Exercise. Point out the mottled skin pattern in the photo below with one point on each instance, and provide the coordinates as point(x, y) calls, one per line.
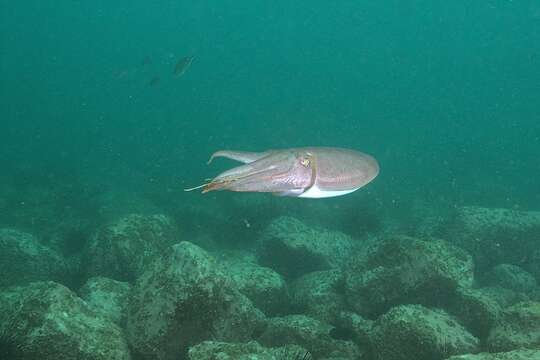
point(303, 172)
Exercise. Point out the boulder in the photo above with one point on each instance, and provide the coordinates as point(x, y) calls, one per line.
point(352, 326)
point(122, 250)
point(535, 295)
point(518, 327)
point(477, 309)
point(183, 299)
point(45, 320)
point(497, 236)
point(107, 297)
point(311, 334)
point(286, 240)
point(416, 332)
point(401, 269)
point(263, 286)
point(511, 355)
point(511, 277)
point(212, 350)
point(319, 294)
point(24, 259)
point(60, 211)
point(503, 297)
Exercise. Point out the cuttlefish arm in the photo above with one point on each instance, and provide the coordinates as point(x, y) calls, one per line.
point(275, 171)
point(245, 157)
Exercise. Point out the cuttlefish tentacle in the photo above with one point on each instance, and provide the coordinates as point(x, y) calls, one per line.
point(208, 181)
point(242, 173)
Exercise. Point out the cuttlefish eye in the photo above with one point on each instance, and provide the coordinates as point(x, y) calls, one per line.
point(306, 160)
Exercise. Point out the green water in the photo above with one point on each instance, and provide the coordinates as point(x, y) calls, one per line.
point(446, 95)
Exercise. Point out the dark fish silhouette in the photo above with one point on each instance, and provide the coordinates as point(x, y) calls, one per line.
point(154, 81)
point(182, 65)
point(146, 61)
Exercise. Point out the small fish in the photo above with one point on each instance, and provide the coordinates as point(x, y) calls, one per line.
point(154, 81)
point(182, 65)
point(121, 74)
point(146, 61)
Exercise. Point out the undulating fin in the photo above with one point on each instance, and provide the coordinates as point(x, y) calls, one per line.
point(292, 192)
point(242, 156)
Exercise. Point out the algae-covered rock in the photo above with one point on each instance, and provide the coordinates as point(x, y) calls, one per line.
point(476, 309)
point(107, 297)
point(518, 327)
point(401, 269)
point(497, 236)
point(45, 320)
point(318, 294)
point(122, 250)
point(312, 334)
point(263, 286)
point(212, 350)
point(24, 259)
point(415, 332)
point(355, 327)
point(292, 248)
point(503, 297)
point(183, 299)
point(522, 354)
point(511, 277)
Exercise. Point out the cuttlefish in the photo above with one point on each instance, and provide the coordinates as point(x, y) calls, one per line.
point(309, 172)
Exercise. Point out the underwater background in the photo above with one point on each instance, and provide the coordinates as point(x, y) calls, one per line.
point(97, 125)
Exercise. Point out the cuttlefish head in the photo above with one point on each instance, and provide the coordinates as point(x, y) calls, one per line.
point(281, 172)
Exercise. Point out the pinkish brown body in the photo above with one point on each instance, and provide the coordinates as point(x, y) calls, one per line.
point(312, 172)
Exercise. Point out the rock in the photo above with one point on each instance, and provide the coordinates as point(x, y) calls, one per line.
point(511, 355)
point(45, 320)
point(123, 249)
point(518, 327)
point(314, 335)
point(416, 332)
point(107, 297)
point(503, 297)
point(511, 277)
point(211, 350)
point(476, 309)
point(23, 259)
point(58, 210)
point(68, 235)
point(535, 295)
point(418, 218)
point(286, 240)
point(497, 236)
point(354, 327)
point(183, 299)
point(263, 286)
point(401, 270)
point(318, 294)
